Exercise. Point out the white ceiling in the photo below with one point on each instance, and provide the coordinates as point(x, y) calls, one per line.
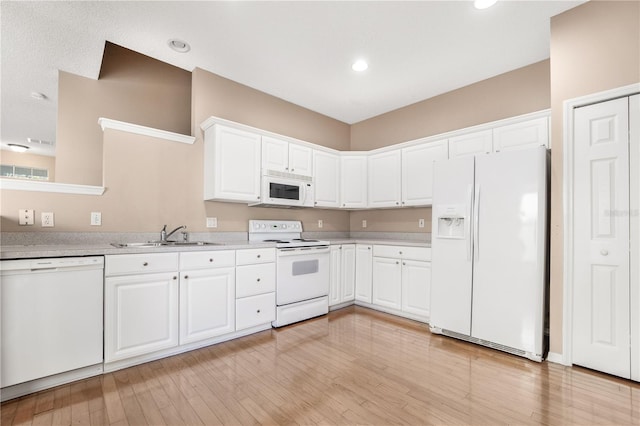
point(298, 51)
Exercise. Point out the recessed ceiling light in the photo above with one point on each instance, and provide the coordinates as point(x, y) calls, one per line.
point(17, 147)
point(179, 45)
point(39, 96)
point(359, 65)
point(484, 4)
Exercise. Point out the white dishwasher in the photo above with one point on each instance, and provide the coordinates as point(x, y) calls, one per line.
point(51, 313)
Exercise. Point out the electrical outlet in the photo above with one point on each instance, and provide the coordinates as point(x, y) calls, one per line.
point(25, 216)
point(320, 224)
point(420, 223)
point(364, 223)
point(212, 222)
point(96, 219)
point(47, 219)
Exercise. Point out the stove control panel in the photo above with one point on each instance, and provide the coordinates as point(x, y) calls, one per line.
point(275, 226)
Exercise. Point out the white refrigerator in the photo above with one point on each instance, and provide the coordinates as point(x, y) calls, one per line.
point(489, 250)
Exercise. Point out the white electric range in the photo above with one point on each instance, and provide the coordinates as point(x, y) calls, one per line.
point(302, 270)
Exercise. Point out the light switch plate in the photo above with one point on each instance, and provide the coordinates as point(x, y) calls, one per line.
point(420, 223)
point(320, 223)
point(25, 216)
point(47, 219)
point(364, 223)
point(212, 222)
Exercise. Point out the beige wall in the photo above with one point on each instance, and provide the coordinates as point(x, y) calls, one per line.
point(594, 47)
point(517, 92)
point(133, 88)
point(26, 159)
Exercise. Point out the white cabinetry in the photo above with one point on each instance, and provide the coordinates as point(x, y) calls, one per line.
point(402, 280)
point(527, 134)
point(343, 269)
point(384, 182)
point(417, 171)
point(231, 164)
point(287, 157)
point(207, 295)
point(471, 144)
point(353, 181)
point(141, 304)
point(326, 179)
point(364, 258)
point(255, 287)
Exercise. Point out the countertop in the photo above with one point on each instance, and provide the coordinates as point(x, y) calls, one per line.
point(87, 249)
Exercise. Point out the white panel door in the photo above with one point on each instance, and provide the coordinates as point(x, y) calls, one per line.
point(300, 159)
point(471, 144)
point(364, 258)
point(141, 315)
point(387, 282)
point(275, 154)
point(417, 172)
point(353, 181)
point(326, 178)
point(416, 287)
point(207, 304)
point(601, 238)
point(384, 179)
point(451, 263)
point(509, 270)
point(348, 280)
point(634, 150)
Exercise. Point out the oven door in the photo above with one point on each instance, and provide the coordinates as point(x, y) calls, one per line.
point(303, 273)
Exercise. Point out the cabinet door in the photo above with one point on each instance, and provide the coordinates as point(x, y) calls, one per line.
point(326, 170)
point(275, 154)
point(417, 172)
point(207, 303)
point(384, 177)
point(336, 275)
point(471, 144)
point(416, 286)
point(231, 165)
point(348, 280)
point(387, 288)
point(141, 315)
point(353, 181)
point(527, 134)
point(363, 273)
point(300, 160)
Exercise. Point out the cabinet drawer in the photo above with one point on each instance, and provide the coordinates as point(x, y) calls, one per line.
point(255, 279)
point(125, 264)
point(251, 256)
point(403, 252)
point(207, 259)
point(255, 310)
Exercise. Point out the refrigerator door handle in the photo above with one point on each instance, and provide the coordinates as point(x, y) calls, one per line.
point(476, 224)
point(468, 222)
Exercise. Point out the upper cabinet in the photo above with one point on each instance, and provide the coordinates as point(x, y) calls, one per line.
point(326, 178)
point(471, 144)
point(527, 134)
point(231, 164)
point(384, 179)
point(353, 181)
point(286, 157)
point(417, 171)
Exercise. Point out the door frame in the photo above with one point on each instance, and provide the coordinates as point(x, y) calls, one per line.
point(568, 108)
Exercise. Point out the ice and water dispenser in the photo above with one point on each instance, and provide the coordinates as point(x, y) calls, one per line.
point(451, 222)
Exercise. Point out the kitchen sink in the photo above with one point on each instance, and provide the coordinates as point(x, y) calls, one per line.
point(165, 244)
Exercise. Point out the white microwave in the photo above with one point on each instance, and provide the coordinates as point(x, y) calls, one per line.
point(281, 189)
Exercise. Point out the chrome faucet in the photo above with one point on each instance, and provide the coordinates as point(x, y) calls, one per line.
point(164, 235)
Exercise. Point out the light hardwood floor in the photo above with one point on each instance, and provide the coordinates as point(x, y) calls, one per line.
point(353, 366)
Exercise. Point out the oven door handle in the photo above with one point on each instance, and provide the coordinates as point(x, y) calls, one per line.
point(301, 251)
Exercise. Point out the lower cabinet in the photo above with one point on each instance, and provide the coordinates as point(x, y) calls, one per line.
point(343, 269)
point(402, 279)
point(207, 295)
point(255, 287)
point(141, 304)
point(364, 259)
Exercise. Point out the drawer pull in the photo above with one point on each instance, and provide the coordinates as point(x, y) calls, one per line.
point(258, 311)
point(258, 280)
point(175, 278)
point(211, 260)
point(397, 263)
point(145, 264)
point(404, 263)
point(258, 256)
point(186, 277)
point(400, 252)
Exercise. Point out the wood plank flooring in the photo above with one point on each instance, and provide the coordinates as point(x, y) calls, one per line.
point(353, 366)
